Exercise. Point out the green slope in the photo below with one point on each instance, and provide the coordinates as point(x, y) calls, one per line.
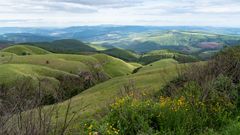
point(25, 50)
point(51, 61)
point(165, 54)
point(6, 54)
point(98, 47)
point(99, 96)
point(151, 56)
point(65, 46)
point(135, 64)
point(164, 63)
point(53, 69)
point(122, 54)
point(13, 72)
point(113, 66)
point(77, 63)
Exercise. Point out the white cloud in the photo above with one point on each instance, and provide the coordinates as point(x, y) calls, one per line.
point(121, 12)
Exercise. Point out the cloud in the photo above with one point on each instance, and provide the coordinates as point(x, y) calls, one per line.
point(120, 12)
point(33, 6)
point(105, 3)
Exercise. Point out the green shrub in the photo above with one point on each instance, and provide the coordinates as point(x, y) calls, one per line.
point(203, 100)
point(181, 115)
point(191, 109)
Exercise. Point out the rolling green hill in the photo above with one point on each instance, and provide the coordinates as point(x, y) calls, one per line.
point(50, 66)
point(114, 66)
point(122, 54)
point(98, 96)
point(25, 50)
point(12, 72)
point(83, 71)
point(164, 63)
point(115, 91)
point(151, 56)
point(98, 47)
point(6, 54)
point(65, 62)
point(64, 46)
point(165, 54)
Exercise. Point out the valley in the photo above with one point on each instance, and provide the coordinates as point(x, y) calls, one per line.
point(120, 67)
point(143, 75)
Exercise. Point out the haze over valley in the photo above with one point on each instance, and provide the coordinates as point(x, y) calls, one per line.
point(127, 67)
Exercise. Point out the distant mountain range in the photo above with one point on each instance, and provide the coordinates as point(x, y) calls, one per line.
point(91, 33)
point(140, 39)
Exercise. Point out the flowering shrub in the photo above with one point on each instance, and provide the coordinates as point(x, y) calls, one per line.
point(188, 111)
point(130, 116)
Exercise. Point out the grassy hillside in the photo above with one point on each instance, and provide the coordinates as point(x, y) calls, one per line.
point(64, 46)
point(184, 105)
point(97, 97)
point(77, 63)
point(164, 63)
point(152, 93)
point(16, 72)
point(151, 56)
point(25, 50)
point(122, 54)
point(98, 47)
point(58, 74)
point(6, 54)
point(135, 64)
point(113, 66)
point(163, 54)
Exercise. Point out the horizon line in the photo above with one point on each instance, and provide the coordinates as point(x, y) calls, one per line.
point(117, 25)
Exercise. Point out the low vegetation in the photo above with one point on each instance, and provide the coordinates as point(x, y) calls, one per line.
point(100, 94)
point(151, 56)
point(202, 100)
point(122, 54)
point(64, 46)
point(164, 54)
point(25, 50)
point(71, 73)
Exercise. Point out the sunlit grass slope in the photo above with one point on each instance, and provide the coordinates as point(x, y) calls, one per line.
point(16, 72)
point(76, 63)
point(165, 54)
point(25, 50)
point(122, 54)
point(114, 66)
point(164, 63)
point(99, 96)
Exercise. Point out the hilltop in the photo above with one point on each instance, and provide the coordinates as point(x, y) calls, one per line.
point(64, 46)
point(97, 96)
point(122, 54)
point(79, 72)
point(156, 55)
point(160, 64)
point(13, 72)
point(161, 93)
point(25, 50)
point(121, 80)
point(151, 56)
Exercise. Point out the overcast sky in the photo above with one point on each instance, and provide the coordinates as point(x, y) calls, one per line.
point(62, 13)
